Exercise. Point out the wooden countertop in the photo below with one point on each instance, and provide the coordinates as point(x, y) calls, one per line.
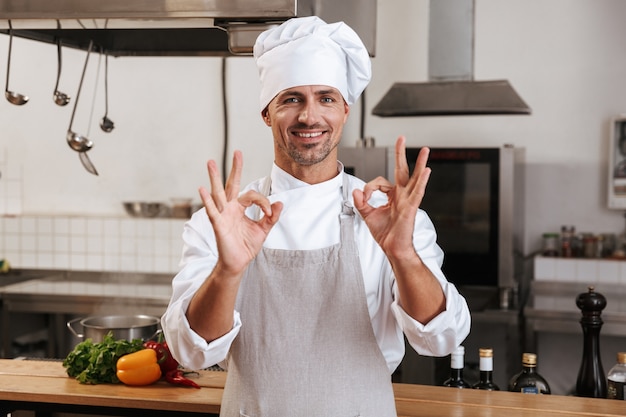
point(46, 382)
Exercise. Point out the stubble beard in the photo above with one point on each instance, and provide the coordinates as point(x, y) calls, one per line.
point(310, 154)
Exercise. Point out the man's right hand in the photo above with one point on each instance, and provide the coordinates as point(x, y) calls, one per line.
point(239, 238)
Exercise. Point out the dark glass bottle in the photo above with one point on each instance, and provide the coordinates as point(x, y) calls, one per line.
point(485, 367)
point(591, 381)
point(616, 379)
point(456, 369)
point(528, 381)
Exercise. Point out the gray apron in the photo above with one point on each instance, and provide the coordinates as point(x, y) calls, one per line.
point(306, 346)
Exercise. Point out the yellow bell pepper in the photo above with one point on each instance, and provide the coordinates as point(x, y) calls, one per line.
point(139, 368)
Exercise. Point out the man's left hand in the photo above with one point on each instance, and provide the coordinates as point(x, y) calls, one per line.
point(392, 224)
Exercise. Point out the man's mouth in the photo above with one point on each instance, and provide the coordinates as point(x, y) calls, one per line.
point(308, 135)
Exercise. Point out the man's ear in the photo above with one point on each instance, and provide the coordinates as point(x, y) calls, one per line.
point(266, 117)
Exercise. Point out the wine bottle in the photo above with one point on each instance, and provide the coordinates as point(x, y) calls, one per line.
point(528, 381)
point(617, 378)
point(456, 369)
point(486, 371)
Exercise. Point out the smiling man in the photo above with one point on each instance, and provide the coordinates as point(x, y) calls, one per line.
point(307, 123)
point(303, 283)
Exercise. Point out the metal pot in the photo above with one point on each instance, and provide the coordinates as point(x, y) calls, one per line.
point(122, 327)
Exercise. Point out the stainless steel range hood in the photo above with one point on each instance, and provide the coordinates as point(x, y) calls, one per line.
point(173, 27)
point(451, 89)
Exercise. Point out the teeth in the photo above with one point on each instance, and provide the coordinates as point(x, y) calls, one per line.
point(309, 135)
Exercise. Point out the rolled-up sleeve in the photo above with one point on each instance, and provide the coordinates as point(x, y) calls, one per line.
point(444, 332)
point(441, 335)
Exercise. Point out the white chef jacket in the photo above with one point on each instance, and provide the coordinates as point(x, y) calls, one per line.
point(310, 220)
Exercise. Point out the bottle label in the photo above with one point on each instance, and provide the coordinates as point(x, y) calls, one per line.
point(616, 390)
point(456, 362)
point(529, 390)
point(486, 364)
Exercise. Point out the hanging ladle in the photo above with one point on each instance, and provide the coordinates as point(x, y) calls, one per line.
point(60, 98)
point(106, 124)
point(78, 142)
point(13, 98)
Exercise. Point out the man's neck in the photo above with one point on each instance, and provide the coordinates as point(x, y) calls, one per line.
point(312, 174)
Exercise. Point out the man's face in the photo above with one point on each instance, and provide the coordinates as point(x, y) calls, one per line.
point(307, 122)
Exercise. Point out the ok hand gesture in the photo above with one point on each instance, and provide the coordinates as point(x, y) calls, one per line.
point(239, 238)
point(392, 224)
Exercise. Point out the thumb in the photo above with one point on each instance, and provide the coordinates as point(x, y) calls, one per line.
point(269, 220)
point(359, 202)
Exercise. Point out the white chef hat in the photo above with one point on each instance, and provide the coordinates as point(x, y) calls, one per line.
point(309, 51)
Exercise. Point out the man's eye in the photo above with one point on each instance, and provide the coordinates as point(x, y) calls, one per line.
point(328, 100)
point(291, 100)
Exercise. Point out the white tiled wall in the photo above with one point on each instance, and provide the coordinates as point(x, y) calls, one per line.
point(10, 185)
point(587, 271)
point(91, 243)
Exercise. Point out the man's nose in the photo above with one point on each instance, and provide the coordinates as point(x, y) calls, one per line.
point(308, 113)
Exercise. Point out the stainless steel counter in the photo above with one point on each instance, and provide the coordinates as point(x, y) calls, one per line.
point(552, 308)
point(64, 294)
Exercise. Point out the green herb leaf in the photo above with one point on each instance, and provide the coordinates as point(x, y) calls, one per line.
point(94, 363)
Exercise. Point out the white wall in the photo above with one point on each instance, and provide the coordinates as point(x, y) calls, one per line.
point(565, 58)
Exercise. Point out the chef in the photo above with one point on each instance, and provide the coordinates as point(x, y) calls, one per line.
point(302, 283)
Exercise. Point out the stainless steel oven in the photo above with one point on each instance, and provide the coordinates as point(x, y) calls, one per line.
point(365, 163)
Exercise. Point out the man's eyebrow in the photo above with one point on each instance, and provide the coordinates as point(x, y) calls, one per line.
point(327, 92)
point(290, 93)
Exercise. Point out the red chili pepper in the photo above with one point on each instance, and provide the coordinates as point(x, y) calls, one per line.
point(164, 357)
point(177, 377)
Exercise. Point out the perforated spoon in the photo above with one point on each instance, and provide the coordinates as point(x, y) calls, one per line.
point(84, 159)
point(13, 97)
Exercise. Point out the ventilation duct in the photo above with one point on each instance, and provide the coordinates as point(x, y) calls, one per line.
point(451, 89)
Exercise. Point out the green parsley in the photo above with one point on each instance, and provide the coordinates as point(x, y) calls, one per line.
point(94, 363)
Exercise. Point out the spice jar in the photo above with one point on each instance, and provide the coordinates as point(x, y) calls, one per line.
point(550, 244)
point(567, 241)
point(589, 245)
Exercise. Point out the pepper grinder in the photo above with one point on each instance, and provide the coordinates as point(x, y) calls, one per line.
point(591, 380)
